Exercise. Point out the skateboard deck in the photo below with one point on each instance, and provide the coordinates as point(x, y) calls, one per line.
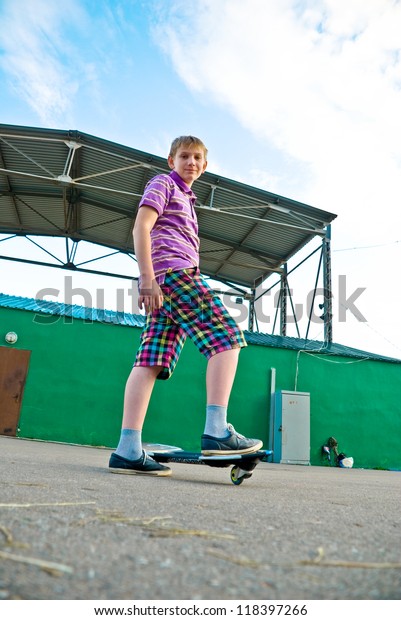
point(242, 464)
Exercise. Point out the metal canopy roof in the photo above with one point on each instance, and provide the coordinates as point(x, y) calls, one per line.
point(74, 185)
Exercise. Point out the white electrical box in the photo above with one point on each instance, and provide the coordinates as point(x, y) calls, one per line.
point(289, 436)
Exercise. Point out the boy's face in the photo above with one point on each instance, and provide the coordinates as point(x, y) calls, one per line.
point(189, 162)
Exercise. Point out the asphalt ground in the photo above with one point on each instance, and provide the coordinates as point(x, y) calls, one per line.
point(72, 530)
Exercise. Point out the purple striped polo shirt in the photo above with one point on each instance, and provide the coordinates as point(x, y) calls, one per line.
point(174, 237)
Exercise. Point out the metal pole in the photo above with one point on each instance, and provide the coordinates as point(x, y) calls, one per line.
point(283, 302)
point(251, 311)
point(328, 293)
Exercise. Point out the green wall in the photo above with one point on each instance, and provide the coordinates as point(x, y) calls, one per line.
point(75, 385)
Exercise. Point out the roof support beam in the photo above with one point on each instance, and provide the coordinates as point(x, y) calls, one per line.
point(327, 287)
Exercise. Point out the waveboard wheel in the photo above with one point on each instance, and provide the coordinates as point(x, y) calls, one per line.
point(236, 477)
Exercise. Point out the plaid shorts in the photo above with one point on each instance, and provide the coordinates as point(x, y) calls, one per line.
point(190, 308)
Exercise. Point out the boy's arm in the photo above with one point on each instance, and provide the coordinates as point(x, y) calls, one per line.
point(150, 294)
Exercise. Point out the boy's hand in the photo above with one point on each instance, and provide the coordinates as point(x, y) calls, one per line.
point(150, 296)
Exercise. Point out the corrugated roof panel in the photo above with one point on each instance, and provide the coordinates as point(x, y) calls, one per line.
point(276, 242)
point(314, 347)
point(9, 215)
point(74, 311)
point(223, 227)
point(42, 216)
point(28, 155)
point(105, 227)
point(126, 175)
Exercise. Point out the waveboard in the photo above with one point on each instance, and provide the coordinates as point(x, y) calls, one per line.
point(242, 464)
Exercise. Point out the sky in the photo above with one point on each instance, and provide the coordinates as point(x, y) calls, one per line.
point(298, 97)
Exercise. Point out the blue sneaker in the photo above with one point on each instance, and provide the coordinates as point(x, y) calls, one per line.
point(144, 465)
point(233, 444)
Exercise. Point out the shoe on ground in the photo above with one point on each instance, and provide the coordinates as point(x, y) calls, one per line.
point(145, 465)
point(233, 444)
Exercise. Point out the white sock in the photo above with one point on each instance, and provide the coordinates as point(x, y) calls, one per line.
point(130, 444)
point(216, 421)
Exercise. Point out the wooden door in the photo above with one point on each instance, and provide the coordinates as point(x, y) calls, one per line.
point(13, 371)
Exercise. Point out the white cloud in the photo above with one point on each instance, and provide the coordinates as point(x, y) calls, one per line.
point(32, 47)
point(38, 58)
point(320, 80)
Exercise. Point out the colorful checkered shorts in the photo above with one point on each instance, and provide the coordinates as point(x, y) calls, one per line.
point(190, 308)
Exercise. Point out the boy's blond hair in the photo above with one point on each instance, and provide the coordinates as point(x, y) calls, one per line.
point(188, 141)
